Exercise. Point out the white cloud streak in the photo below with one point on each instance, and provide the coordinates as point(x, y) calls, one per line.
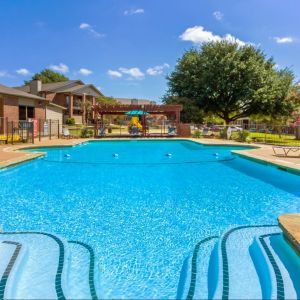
point(61, 68)
point(157, 70)
point(131, 12)
point(89, 28)
point(3, 74)
point(218, 15)
point(134, 73)
point(85, 72)
point(284, 40)
point(23, 72)
point(198, 35)
point(114, 74)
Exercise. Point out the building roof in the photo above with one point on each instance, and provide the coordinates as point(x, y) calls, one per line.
point(56, 105)
point(134, 101)
point(69, 86)
point(16, 92)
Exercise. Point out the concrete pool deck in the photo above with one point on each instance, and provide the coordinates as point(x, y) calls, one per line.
point(10, 154)
point(290, 225)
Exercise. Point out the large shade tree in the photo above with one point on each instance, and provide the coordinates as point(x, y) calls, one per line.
point(191, 112)
point(231, 81)
point(47, 76)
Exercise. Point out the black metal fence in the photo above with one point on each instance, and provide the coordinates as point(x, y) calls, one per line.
point(132, 126)
point(28, 131)
point(258, 133)
point(48, 129)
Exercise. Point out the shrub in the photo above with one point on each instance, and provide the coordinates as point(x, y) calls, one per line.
point(197, 134)
point(70, 121)
point(86, 132)
point(223, 133)
point(241, 136)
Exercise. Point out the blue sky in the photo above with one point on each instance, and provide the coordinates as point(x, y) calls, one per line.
point(127, 47)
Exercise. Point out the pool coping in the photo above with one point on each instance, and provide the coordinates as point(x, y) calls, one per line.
point(290, 225)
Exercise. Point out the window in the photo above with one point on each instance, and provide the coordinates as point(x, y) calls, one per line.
point(30, 112)
point(22, 113)
point(67, 101)
point(26, 112)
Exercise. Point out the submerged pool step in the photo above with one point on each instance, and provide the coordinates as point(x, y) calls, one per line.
point(237, 275)
point(194, 284)
point(81, 272)
point(285, 266)
point(10, 258)
point(40, 274)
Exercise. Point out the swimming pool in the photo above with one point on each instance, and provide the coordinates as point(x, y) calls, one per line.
point(143, 205)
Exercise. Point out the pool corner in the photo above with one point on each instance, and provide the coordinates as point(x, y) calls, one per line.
point(290, 225)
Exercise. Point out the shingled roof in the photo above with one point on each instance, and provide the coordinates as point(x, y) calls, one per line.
point(69, 86)
point(16, 92)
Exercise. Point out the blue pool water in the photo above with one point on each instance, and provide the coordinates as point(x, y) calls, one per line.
point(141, 210)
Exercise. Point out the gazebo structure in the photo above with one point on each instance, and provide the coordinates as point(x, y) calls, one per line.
point(170, 111)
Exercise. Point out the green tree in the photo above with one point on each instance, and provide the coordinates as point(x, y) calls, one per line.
point(106, 100)
point(231, 81)
point(191, 112)
point(47, 76)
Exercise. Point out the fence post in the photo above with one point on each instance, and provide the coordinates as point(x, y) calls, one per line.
point(50, 129)
point(40, 129)
point(6, 130)
point(58, 129)
point(297, 133)
point(12, 132)
point(32, 132)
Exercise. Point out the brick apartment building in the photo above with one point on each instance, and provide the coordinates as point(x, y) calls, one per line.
point(73, 95)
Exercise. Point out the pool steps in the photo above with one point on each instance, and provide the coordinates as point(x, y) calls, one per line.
point(81, 275)
point(250, 262)
point(38, 265)
point(246, 262)
point(190, 281)
point(37, 277)
point(284, 281)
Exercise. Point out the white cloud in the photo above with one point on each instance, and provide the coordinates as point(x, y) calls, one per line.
point(198, 35)
point(134, 73)
point(131, 12)
point(218, 15)
point(157, 70)
point(115, 74)
point(85, 72)
point(91, 30)
point(4, 74)
point(23, 72)
point(84, 26)
point(284, 40)
point(61, 68)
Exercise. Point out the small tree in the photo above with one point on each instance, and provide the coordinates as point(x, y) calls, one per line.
point(231, 81)
point(47, 76)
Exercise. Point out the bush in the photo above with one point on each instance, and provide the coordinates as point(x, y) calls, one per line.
point(223, 133)
point(70, 121)
point(241, 136)
point(197, 134)
point(86, 132)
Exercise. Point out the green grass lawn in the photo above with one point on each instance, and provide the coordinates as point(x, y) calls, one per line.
point(270, 138)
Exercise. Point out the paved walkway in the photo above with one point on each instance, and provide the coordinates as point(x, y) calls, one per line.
point(9, 154)
point(262, 152)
